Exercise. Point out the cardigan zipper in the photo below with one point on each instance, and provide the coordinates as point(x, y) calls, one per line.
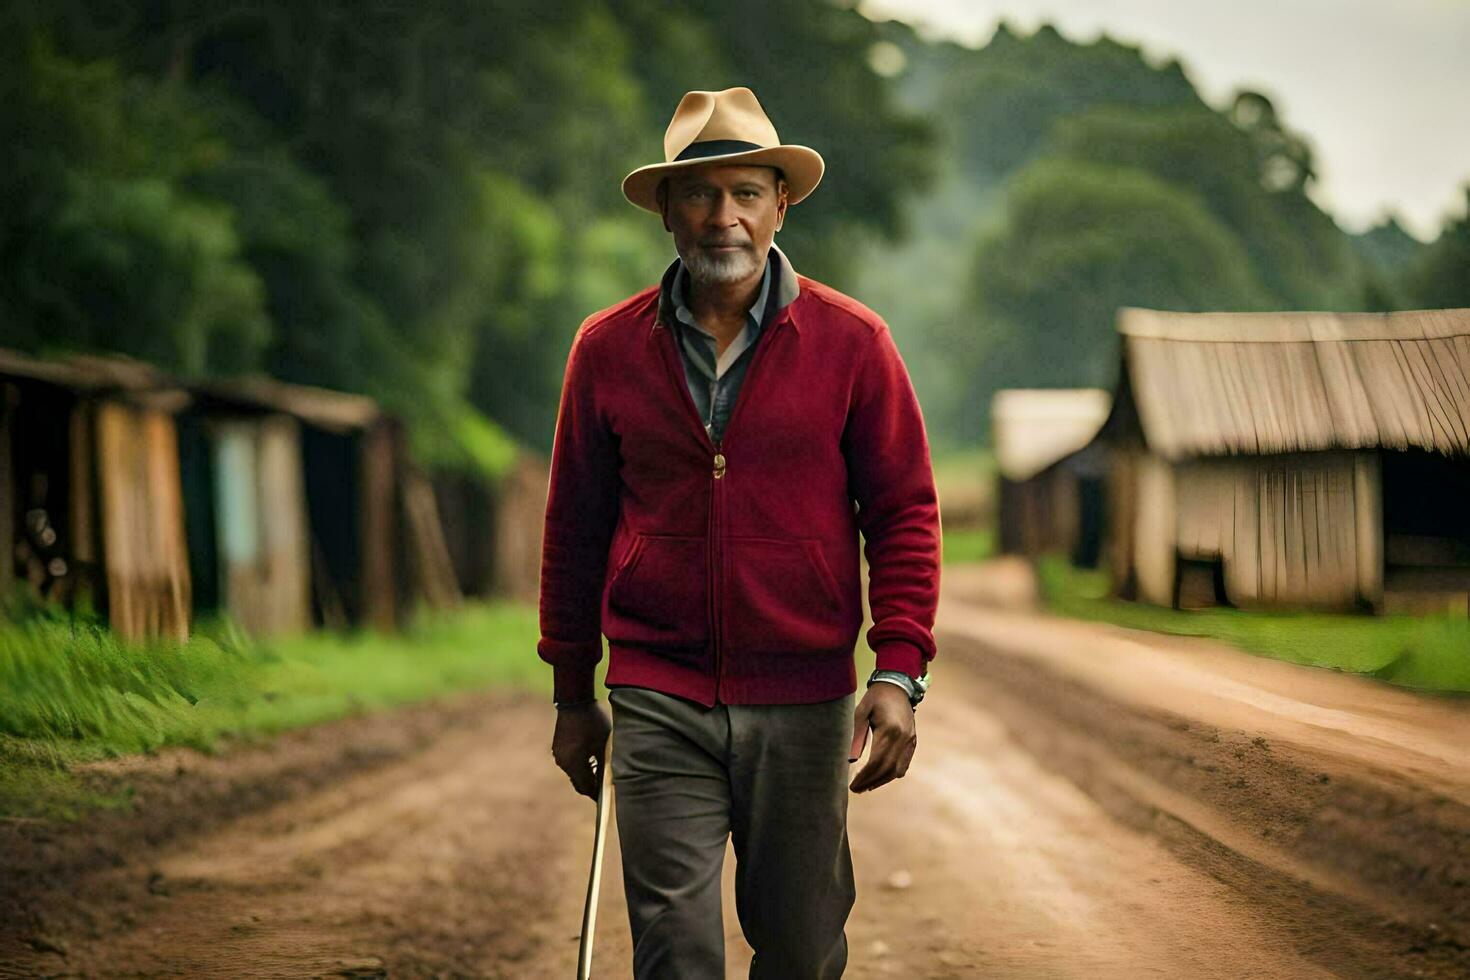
point(715, 557)
point(717, 499)
point(719, 466)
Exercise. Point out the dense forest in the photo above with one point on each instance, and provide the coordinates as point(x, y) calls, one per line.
point(421, 201)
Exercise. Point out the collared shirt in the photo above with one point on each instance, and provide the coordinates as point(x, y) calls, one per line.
point(714, 379)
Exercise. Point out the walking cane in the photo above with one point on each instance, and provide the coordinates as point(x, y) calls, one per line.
point(594, 879)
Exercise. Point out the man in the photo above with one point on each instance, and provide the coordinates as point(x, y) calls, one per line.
point(721, 440)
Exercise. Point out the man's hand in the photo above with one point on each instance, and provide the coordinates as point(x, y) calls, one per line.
point(580, 737)
point(895, 736)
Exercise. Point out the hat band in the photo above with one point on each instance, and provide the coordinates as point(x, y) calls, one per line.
point(715, 148)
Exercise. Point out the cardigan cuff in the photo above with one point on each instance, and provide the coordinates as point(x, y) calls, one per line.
point(900, 655)
point(574, 682)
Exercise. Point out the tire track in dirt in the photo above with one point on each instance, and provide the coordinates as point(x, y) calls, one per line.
point(1041, 833)
point(433, 862)
point(1018, 874)
point(1345, 821)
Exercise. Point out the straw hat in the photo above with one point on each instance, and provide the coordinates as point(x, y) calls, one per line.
point(728, 127)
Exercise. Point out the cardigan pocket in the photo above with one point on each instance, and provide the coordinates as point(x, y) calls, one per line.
point(782, 598)
point(658, 598)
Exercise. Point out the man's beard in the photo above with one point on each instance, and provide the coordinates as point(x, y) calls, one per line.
point(721, 268)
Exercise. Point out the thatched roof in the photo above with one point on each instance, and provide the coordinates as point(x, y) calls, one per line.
point(1035, 427)
point(1255, 383)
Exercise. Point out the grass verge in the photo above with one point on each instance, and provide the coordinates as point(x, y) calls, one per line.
point(1426, 652)
point(967, 544)
point(72, 692)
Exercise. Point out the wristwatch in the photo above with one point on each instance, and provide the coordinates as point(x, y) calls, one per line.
point(915, 688)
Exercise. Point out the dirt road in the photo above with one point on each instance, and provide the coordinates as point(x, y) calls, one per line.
point(1206, 815)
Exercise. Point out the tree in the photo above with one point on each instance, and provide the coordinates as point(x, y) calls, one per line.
point(1388, 253)
point(1440, 279)
point(1079, 241)
point(421, 201)
point(1002, 101)
point(1250, 173)
point(110, 246)
point(807, 63)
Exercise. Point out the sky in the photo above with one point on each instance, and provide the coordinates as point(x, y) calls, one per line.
point(1380, 88)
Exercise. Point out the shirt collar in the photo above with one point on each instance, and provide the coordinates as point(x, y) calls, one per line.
point(756, 314)
point(782, 280)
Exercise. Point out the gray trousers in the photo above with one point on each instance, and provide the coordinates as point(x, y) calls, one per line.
point(772, 777)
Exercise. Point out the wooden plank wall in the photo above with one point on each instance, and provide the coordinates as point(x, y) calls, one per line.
point(260, 511)
point(519, 520)
point(1368, 504)
point(1286, 527)
point(1155, 530)
point(285, 548)
point(1041, 515)
point(1206, 501)
point(434, 581)
point(1308, 532)
point(1119, 530)
point(146, 561)
point(377, 465)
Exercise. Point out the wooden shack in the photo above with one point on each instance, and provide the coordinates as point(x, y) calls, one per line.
point(1292, 459)
point(520, 516)
point(1051, 477)
point(304, 508)
point(91, 510)
point(494, 527)
point(245, 505)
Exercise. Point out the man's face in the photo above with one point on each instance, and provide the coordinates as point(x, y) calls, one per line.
point(723, 219)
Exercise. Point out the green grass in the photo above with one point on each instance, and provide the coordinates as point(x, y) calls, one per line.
point(964, 466)
point(968, 544)
point(965, 479)
point(71, 691)
point(1426, 652)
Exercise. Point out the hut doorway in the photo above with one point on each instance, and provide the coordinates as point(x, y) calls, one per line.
point(1426, 531)
point(1092, 511)
point(45, 493)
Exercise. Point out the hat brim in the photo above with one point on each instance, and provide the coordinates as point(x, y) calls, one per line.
point(802, 165)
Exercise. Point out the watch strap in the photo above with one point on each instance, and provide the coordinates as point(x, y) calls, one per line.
point(914, 689)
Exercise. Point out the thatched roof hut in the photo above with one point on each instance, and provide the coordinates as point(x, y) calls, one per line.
point(1310, 458)
point(1050, 493)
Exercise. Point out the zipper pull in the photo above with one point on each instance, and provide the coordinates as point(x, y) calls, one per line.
point(719, 465)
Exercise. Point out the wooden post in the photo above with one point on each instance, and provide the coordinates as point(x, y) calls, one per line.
point(8, 401)
point(379, 588)
point(1368, 520)
point(1156, 530)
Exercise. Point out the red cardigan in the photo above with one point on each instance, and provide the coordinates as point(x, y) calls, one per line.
point(730, 572)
